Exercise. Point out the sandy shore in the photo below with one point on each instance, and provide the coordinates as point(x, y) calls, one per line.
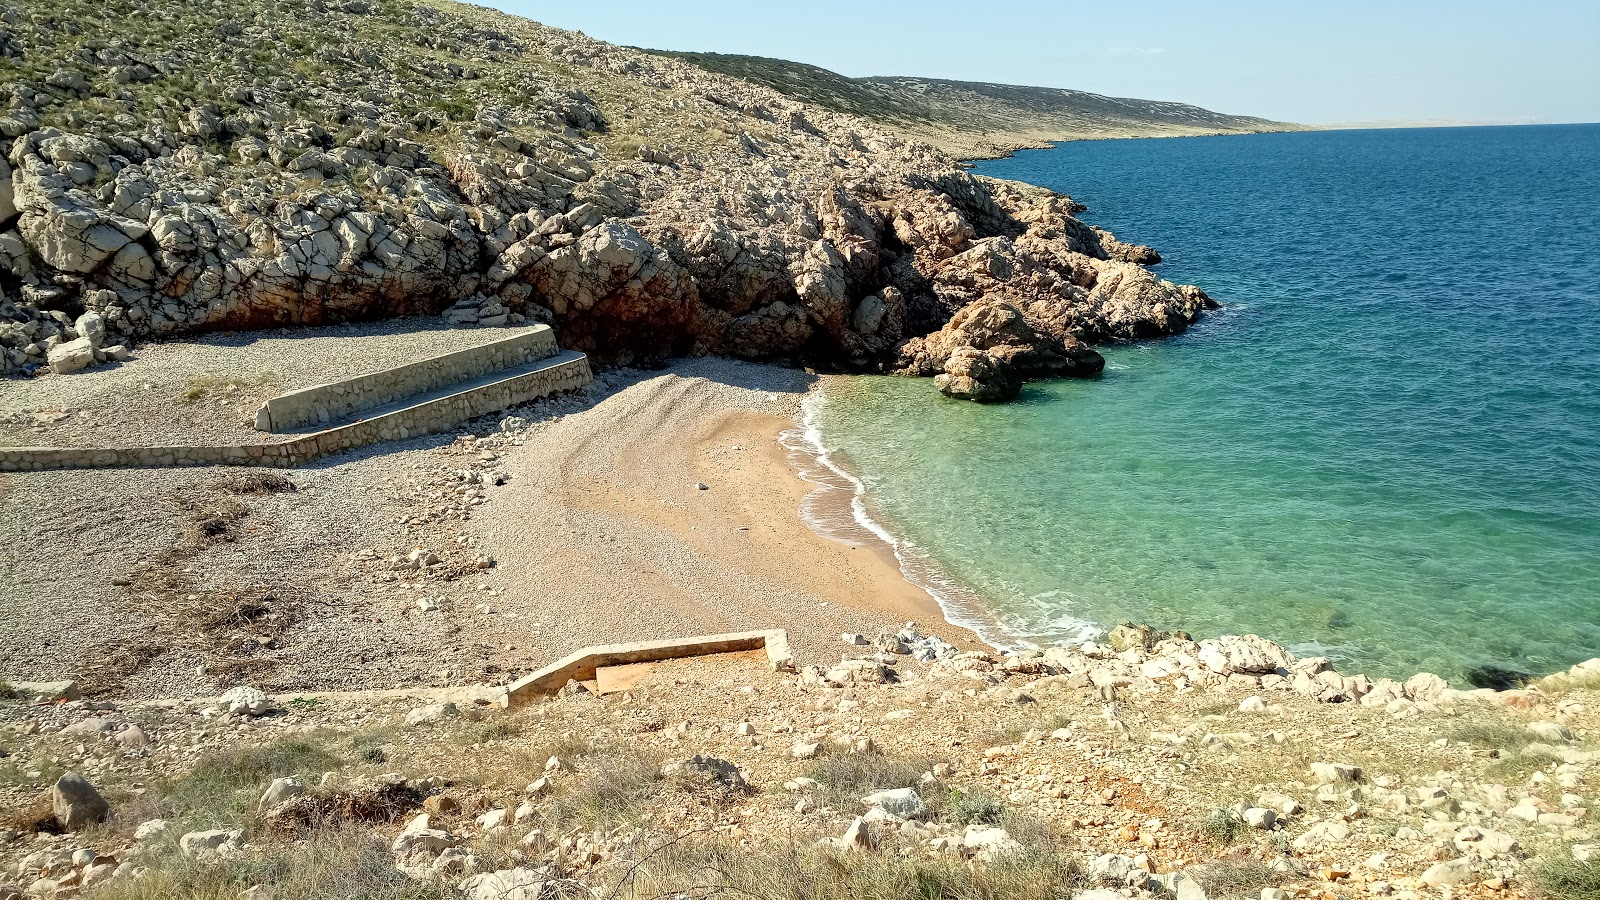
point(604, 531)
point(600, 534)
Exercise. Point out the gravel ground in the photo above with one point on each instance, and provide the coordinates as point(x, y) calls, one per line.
point(115, 580)
point(206, 389)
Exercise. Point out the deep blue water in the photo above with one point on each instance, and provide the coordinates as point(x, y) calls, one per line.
point(1386, 446)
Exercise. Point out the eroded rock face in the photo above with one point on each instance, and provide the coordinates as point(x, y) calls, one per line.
point(778, 231)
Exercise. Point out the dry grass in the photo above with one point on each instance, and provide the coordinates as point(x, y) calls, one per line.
point(1567, 879)
point(257, 483)
point(210, 385)
point(222, 788)
point(803, 871)
point(609, 787)
point(847, 777)
point(343, 862)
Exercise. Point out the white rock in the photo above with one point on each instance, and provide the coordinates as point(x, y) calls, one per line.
point(153, 830)
point(859, 836)
point(1334, 773)
point(1116, 869)
point(1252, 704)
point(433, 712)
point(508, 884)
point(903, 803)
point(989, 840)
point(281, 790)
point(805, 750)
point(1553, 732)
point(220, 842)
point(1451, 872)
point(71, 356)
point(245, 701)
point(1259, 818)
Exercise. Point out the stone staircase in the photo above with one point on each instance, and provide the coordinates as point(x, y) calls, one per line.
point(423, 397)
point(435, 393)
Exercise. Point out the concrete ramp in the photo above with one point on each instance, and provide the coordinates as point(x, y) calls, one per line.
point(584, 665)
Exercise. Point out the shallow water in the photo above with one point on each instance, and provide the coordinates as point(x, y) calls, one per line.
point(1385, 448)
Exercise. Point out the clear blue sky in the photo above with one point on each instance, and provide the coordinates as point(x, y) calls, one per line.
point(1313, 62)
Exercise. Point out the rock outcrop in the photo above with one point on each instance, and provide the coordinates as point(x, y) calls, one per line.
point(415, 160)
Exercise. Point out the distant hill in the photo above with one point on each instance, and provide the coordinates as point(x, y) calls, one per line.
point(975, 119)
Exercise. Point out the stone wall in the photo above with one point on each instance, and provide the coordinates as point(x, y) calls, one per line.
point(325, 403)
point(564, 372)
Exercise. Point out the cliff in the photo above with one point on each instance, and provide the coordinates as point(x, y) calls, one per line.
point(246, 164)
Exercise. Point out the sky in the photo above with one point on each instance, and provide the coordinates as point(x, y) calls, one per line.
point(1309, 62)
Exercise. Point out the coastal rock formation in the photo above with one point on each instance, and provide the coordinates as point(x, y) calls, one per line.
point(988, 348)
point(411, 160)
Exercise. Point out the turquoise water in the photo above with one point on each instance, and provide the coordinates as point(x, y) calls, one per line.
point(1386, 447)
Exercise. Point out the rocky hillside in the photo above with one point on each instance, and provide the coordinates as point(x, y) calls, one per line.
point(245, 164)
point(976, 119)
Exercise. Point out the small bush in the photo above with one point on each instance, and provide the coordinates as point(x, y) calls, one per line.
point(973, 807)
point(1220, 827)
point(608, 788)
point(1234, 879)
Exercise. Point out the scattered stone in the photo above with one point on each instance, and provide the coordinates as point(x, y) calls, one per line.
point(508, 884)
point(859, 836)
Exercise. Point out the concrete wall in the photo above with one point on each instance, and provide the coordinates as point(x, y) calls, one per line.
point(564, 372)
point(582, 664)
point(337, 400)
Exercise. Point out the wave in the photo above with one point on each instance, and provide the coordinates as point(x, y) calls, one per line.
point(839, 489)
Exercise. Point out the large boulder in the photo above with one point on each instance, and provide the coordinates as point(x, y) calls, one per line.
point(76, 803)
point(971, 374)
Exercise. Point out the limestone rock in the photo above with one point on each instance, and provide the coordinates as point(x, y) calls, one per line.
point(433, 712)
point(902, 803)
point(509, 884)
point(281, 791)
point(216, 842)
point(708, 769)
point(245, 701)
point(1335, 773)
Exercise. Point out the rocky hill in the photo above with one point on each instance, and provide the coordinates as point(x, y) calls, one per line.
point(975, 119)
point(245, 164)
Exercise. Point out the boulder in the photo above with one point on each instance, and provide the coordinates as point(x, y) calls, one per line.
point(70, 356)
point(37, 692)
point(971, 374)
point(76, 803)
point(245, 701)
point(433, 712)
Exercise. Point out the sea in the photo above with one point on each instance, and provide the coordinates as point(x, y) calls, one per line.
point(1384, 448)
